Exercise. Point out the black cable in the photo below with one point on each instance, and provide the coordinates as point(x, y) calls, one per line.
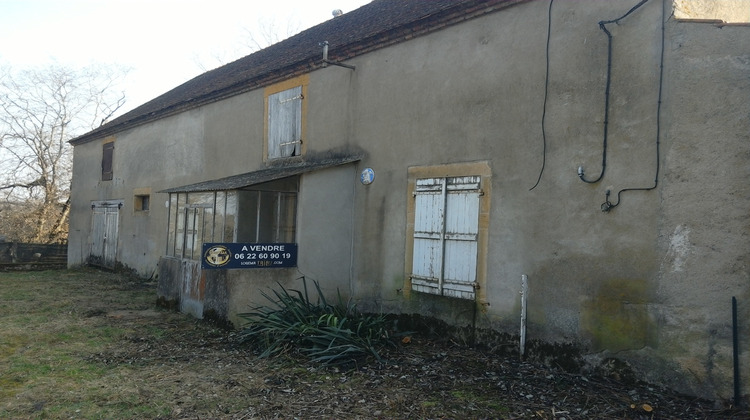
point(603, 26)
point(607, 205)
point(544, 107)
point(633, 9)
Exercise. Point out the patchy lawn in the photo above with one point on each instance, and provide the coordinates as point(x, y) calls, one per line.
point(90, 344)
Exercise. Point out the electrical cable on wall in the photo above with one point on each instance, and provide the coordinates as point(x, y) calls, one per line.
point(544, 106)
point(603, 26)
point(607, 205)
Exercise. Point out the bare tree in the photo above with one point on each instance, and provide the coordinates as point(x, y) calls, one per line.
point(268, 32)
point(41, 109)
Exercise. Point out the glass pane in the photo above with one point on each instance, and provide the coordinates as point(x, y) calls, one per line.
point(267, 211)
point(285, 219)
point(190, 226)
point(180, 230)
point(230, 219)
point(199, 231)
point(267, 216)
point(218, 216)
point(247, 231)
point(202, 199)
point(171, 232)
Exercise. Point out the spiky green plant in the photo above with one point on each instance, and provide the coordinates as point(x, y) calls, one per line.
point(330, 334)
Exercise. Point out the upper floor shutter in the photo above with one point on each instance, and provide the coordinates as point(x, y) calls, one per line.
point(285, 123)
point(108, 151)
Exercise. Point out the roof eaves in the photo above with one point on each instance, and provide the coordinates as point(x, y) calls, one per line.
point(411, 29)
point(249, 179)
point(213, 96)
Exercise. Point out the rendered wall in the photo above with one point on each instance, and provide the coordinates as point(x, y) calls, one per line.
point(618, 283)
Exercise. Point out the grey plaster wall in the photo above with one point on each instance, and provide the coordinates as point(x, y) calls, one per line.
point(597, 279)
point(704, 223)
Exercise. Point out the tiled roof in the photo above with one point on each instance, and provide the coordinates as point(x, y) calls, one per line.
point(373, 26)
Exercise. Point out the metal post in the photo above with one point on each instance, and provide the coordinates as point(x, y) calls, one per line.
point(524, 292)
point(736, 353)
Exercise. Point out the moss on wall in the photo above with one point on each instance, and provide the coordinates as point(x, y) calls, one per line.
point(617, 317)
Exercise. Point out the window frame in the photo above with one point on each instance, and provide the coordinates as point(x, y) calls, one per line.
point(296, 90)
point(415, 280)
point(142, 200)
point(285, 123)
point(195, 218)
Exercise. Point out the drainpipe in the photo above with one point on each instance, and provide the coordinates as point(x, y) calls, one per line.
point(524, 292)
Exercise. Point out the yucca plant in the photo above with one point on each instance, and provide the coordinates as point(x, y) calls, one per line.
point(330, 334)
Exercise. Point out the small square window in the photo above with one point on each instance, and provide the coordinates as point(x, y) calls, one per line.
point(142, 202)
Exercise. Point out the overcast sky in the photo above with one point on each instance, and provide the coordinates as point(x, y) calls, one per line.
point(164, 42)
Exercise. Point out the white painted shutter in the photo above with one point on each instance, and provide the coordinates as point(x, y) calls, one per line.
point(427, 265)
point(285, 123)
point(461, 232)
point(446, 223)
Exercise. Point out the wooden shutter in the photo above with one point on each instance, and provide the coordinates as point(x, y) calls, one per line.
point(427, 263)
point(461, 232)
point(104, 231)
point(108, 150)
point(285, 123)
point(446, 224)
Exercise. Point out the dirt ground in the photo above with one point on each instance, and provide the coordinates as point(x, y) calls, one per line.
point(427, 379)
point(146, 362)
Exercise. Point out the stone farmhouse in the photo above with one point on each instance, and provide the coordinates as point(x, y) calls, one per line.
point(565, 172)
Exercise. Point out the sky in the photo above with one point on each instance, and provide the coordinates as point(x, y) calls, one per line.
point(163, 42)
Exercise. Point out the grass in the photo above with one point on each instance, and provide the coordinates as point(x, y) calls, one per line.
point(87, 344)
point(47, 340)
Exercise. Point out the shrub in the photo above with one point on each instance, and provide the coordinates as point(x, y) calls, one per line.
point(329, 334)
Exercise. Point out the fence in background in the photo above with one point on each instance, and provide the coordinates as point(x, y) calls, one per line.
point(20, 255)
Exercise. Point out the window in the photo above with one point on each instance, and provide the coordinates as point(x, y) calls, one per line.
point(263, 213)
point(285, 118)
point(446, 229)
point(195, 218)
point(285, 123)
point(142, 202)
point(108, 150)
point(270, 216)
